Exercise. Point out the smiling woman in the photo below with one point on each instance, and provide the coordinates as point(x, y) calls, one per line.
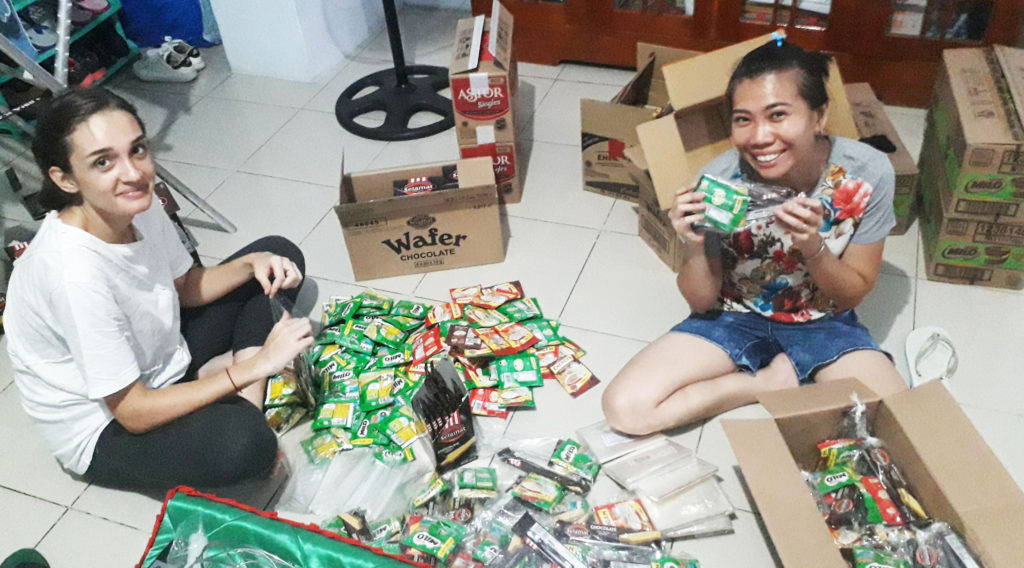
point(108, 320)
point(772, 304)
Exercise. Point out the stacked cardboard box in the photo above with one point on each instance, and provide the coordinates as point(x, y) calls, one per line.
point(609, 127)
point(972, 170)
point(674, 148)
point(874, 128)
point(484, 83)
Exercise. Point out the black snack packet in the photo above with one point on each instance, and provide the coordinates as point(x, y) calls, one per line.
point(443, 403)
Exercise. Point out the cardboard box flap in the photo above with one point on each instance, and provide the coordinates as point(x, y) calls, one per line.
point(705, 77)
point(954, 453)
point(1011, 59)
point(468, 34)
point(983, 116)
point(819, 396)
point(500, 35)
point(613, 120)
point(871, 120)
point(776, 484)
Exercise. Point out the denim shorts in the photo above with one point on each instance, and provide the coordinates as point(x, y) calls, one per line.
point(752, 340)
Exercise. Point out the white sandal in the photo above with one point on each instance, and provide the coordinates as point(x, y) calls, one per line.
point(923, 348)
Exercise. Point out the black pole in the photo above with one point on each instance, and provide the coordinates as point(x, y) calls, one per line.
point(391, 17)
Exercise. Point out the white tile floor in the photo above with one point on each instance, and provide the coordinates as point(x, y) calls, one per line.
point(267, 154)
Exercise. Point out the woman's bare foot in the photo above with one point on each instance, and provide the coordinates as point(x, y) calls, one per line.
point(779, 374)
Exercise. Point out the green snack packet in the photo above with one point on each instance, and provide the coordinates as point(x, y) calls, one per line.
point(571, 456)
point(538, 491)
point(726, 204)
point(385, 530)
point(402, 426)
point(375, 304)
point(483, 317)
point(334, 414)
point(375, 389)
point(321, 447)
point(435, 537)
point(835, 478)
point(353, 337)
point(436, 487)
point(516, 397)
point(410, 309)
point(404, 323)
point(281, 391)
point(284, 418)
point(329, 335)
point(546, 331)
point(380, 331)
point(518, 371)
point(871, 558)
point(669, 562)
point(393, 454)
point(476, 483)
point(519, 310)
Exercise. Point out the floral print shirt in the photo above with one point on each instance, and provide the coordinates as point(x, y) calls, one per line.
point(764, 273)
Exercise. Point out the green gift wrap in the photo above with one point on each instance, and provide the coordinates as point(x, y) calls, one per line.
point(229, 525)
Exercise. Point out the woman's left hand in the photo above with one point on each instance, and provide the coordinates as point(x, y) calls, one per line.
point(285, 273)
point(802, 217)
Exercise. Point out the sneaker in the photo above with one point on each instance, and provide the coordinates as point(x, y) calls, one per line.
point(164, 66)
point(184, 49)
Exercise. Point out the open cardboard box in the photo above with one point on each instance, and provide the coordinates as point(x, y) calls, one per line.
point(873, 125)
point(390, 236)
point(677, 146)
point(609, 127)
point(951, 470)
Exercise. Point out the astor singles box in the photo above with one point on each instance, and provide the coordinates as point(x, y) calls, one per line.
point(484, 84)
point(609, 127)
point(390, 235)
point(955, 475)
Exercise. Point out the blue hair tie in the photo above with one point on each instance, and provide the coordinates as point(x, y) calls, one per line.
point(779, 38)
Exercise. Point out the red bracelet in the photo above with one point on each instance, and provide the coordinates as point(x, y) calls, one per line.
point(232, 380)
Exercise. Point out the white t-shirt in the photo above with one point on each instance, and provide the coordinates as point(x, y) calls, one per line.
point(86, 318)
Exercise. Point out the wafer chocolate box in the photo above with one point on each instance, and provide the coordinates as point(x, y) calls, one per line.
point(609, 127)
point(390, 231)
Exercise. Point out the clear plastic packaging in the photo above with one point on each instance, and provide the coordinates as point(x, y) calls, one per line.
point(700, 502)
point(606, 444)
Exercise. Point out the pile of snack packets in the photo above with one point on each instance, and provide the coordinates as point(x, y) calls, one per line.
point(371, 356)
point(871, 509)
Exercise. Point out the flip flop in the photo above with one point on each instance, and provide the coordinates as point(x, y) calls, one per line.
point(930, 355)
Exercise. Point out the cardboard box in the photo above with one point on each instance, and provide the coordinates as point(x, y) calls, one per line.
point(874, 127)
point(976, 111)
point(679, 145)
point(504, 159)
point(484, 82)
point(609, 127)
point(391, 236)
point(954, 474)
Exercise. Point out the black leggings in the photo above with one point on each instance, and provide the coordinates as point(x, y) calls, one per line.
point(224, 442)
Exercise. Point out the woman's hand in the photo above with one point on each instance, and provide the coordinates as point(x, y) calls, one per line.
point(289, 337)
point(802, 217)
point(686, 210)
point(264, 265)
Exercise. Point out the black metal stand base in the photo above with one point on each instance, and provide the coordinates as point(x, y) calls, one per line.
point(399, 102)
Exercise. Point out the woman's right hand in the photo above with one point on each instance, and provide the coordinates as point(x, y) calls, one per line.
point(686, 210)
point(289, 337)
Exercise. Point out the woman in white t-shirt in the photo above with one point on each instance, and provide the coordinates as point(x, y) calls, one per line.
point(108, 319)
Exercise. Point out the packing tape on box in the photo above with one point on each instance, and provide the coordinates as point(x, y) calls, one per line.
point(485, 134)
point(479, 83)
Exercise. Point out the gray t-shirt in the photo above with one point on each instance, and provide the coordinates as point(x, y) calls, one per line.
point(763, 273)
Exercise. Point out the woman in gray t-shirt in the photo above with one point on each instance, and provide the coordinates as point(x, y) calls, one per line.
point(772, 304)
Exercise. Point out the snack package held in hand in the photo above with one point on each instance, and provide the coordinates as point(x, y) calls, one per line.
point(443, 402)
